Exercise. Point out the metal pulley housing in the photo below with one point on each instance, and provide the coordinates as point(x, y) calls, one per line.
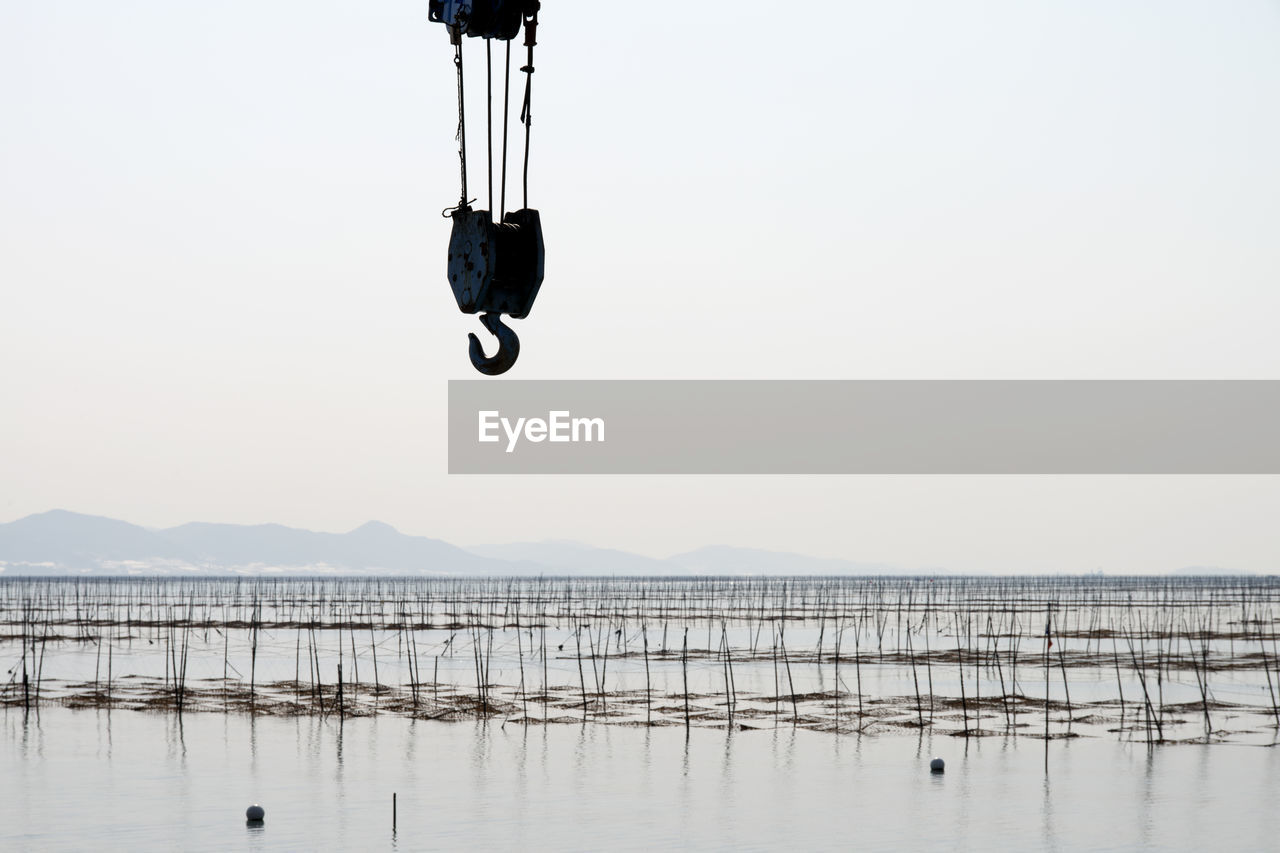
point(498, 19)
point(496, 266)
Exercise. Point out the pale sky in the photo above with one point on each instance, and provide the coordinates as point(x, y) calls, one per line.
point(222, 289)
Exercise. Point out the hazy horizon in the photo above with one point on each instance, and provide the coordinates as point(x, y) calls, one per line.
point(76, 543)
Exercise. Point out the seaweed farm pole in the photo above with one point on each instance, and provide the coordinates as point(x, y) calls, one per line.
point(180, 668)
point(731, 693)
point(1062, 662)
point(916, 679)
point(475, 658)
point(524, 693)
point(26, 627)
point(1047, 642)
point(1201, 682)
point(355, 661)
point(839, 634)
point(98, 664)
point(1271, 692)
point(1164, 656)
point(977, 671)
point(684, 670)
point(582, 681)
point(928, 665)
point(604, 671)
point(410, 655)
point(648, 689)
point(1115, 656)
point(311, 670)
point(297, 669)
point(1015, 641)
point(1146, 696)
point(415, 663)
point(720, 652)
point(1275, 655)
point(167, 640)
point(226, 633)
point(315, 651)
point(1004, 693)
point(373, 647)
point(253, 656)
point(791, 686)
point(857, 665)
point(39, 662)
point(546, 694)
point(822, 630)
point(595, 670)
point(777, 685)
point(1204, 693)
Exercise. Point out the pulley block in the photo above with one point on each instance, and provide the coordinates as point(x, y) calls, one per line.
point(496, 268)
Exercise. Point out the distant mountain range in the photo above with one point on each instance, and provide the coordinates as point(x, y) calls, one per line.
point(67, 543)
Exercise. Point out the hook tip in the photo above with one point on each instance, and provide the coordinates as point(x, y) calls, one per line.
point(508, 347)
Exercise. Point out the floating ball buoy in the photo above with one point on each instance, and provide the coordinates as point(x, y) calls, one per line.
point(937, 765)
point(255, 813)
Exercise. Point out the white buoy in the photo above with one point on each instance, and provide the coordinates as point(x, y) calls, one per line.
point(255, 812)
point(937, 765)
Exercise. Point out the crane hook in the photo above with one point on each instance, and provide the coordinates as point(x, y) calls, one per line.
point(508, 346)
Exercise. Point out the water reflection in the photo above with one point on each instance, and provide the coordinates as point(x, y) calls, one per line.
point(575, 787)
point(103, 720)
point(479, 767)
point(685, 800)
point(1145, 800)
point(727, 801)
point(339, 776)
point(520, 778)
point(174, 738)
point(1048, 834)
point(24, 737)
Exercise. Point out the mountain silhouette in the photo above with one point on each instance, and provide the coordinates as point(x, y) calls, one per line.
point(62, 542)
point(59, 542)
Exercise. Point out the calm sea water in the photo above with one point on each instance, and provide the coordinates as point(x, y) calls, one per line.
point(76, 780)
